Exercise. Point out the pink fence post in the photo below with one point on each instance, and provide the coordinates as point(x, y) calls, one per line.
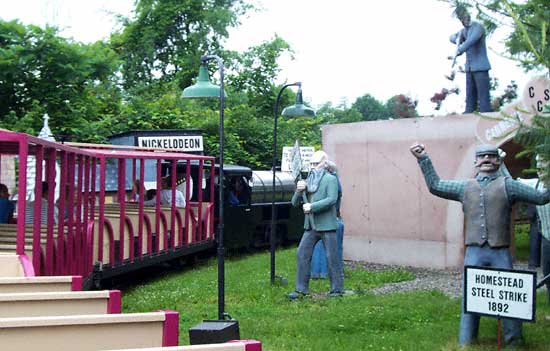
point(199, 211)
point(50, 244)
point(22, 188)
point(173, 204)
point(122, 205)
point(101, 207)
point(187, 201)
point(37, 232)
point(61, 242)
point(157, 212)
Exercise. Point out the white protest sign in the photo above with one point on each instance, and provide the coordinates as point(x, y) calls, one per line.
point(305, 154)
point(500, 293)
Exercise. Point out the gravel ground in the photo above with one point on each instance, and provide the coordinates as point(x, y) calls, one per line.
point(449, 281)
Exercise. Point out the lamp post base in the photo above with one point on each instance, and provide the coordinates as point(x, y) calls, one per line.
point(214, 332)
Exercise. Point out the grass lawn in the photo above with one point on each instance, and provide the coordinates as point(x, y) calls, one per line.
point(402, 321)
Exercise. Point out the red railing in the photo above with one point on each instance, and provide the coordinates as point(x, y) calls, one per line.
point(77, 229)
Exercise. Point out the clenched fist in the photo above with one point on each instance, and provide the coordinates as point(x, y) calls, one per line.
point(418, 150)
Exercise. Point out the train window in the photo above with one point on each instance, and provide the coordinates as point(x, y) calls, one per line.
point(238, 191)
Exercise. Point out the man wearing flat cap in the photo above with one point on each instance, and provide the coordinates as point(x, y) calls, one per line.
point(487, 201)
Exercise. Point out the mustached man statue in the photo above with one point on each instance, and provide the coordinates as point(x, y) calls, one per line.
point(487, 201)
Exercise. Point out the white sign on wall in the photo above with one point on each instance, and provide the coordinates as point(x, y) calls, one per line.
point(181, 142)
point(305, 154)
point(500, 293)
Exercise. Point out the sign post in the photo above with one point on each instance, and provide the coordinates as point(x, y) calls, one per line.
point(500, 293)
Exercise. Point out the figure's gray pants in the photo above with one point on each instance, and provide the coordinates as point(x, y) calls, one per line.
point(304, 254)
point(486, 256)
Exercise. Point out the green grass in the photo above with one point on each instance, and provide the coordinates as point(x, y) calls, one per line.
point(402, 321)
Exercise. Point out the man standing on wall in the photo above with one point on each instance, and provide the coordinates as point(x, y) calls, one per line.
point(471, 40)
point(320, 223)
point(487, 202)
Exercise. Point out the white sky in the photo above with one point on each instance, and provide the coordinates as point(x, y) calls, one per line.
point(343, 49)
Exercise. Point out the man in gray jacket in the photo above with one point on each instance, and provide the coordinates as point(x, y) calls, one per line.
point(471, 40)
point(487, 202)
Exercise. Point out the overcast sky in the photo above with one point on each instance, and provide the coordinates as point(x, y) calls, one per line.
point(343, 49)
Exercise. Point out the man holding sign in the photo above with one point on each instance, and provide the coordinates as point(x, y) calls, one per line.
point(487, 201)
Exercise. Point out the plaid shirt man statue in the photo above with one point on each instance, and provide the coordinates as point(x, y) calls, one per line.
point(486, 201)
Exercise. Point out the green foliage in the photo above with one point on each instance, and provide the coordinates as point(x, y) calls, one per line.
point(370, 108)
point(536, 140)
point(332, 115)
point(167, 38)
point(41, 72)
point(253, 74)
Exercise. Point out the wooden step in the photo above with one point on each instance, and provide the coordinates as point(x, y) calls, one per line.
point(237, 345)
point(59, 303)
point(38, 284)
point(12, 249)
point(10, 264)
point(90, 332)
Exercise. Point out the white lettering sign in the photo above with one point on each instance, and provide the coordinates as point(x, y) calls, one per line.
point(181, 143)
point(500, 293)
point(502, 128)
point(305, 154)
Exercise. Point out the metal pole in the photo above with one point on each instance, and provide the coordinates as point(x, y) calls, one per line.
point(221, 249)
point(272, 234)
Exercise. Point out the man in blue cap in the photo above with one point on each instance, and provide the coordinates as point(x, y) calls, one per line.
point(471, 40)
point(487, 202)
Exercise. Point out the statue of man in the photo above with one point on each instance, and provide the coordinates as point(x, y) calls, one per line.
point(471, 40)
point(487, 201)
point(320, 223)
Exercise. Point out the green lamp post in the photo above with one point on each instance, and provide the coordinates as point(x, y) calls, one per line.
point(296, 110)
point(204, 89)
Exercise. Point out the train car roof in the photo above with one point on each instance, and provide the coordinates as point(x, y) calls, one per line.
point(236, 170)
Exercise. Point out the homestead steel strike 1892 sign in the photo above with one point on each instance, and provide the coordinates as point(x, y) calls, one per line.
point(500, 293)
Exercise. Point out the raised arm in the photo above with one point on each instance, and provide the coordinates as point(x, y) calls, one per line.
point(447, 189)
point(475, 32)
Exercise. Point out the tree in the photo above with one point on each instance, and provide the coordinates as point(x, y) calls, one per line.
point(167, 38)
point(41, 72)
point(370, 108)
point(254, 72)
point(402, 106)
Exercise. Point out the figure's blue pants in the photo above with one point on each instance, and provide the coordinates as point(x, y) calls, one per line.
point(319, 269)
point(478, 85)
point(486, 256)
point(546, 264)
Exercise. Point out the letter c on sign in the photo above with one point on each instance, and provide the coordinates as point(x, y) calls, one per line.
point(531, 92)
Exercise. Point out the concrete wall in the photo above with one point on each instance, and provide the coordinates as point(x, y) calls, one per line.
point(390, 217)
